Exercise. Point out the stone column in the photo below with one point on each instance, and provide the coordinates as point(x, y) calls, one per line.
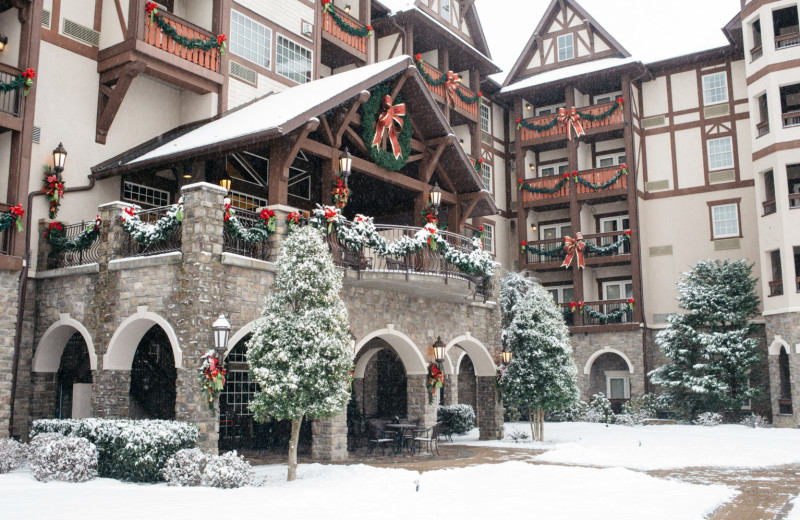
point(450, 389)
point(329, 438)
point(111, 394)
point(418, 407)
point(490, 410)
point(281, 228)
point(112, 236)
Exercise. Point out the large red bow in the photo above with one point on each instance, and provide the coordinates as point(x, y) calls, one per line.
point(573, 247)
point(451, 86)
point(391, 121)
point(572, 120)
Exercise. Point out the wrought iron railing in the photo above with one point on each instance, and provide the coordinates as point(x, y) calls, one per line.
point(10, 101)
point(260, 250)
point(131, 248)
point(554, 245)
point(59, 259)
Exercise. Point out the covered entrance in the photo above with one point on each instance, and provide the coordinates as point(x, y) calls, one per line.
point(153, 375)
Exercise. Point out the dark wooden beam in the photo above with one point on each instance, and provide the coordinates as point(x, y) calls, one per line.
point(400, 82)
point(433, 162)
point(466, 212)
point(108, 105)
point(327, 134)
point(362, 98)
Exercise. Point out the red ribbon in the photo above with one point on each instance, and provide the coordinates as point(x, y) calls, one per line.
point(574, 247)
point(450, 87)
point(572, 120)
point(391, 121)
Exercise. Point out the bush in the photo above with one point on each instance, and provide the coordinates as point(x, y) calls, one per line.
point(576, 412)
point(12, 455)
point(460, 417)
point(599, 410)
point(752, 421)
point(185, 468)
point(708, 419)
point(128, 450)
point(228, 471)
point(71, 459)
point(518, 436)
point(511, 413)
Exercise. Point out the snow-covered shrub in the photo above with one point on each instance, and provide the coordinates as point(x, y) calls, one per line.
point(599, 410)
point(128, 450)
point(708, 419)
point(71, 459)
point(12, 455)
point(627, 419)
point(576, 412)
point(518, 435)
point(511, 413)
point(460, 417)
point(753, 421)
point(228, 471)
point(185, 468)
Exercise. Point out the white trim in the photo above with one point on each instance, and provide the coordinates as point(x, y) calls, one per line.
point(618, 374)
point(457, 364)
point(555, 166)
point(785, 310)
point(587, 369)
point(413, 361)
point(49, 349)
point(478, 354)
point(775, 347)
point(126, 338)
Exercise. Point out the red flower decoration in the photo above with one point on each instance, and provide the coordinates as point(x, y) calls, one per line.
point(519, 120)
point(480, 229)
point(221, 39)
point(480, 94)
point(227, 211)
point(523, 243)
point(631, 300)
point(520, 181)
point(267, 214)
point(360, 218)
point(150, 6)
point(418, 57)
point(129, 211)
point(623, 166)
point(17, 210)
point(574, 173)
point(620, 101)
point(369, 28)
point(293, 217)
point(480, 161)
point(566, 175)
point(628, 232)
point(330, 213)
point(29, 74)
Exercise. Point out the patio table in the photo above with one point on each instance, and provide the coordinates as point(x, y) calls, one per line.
point(401, 428)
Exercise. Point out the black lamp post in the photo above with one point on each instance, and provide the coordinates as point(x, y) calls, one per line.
point(436, 199)
point(222, 330)
point(345, 165)
point(59, 159)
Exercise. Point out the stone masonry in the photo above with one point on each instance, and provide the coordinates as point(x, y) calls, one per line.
point(9, 283)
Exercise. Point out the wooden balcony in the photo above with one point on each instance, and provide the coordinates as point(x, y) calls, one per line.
point(597, 176)
point(769, 207)
point(613, 314)
point(341, 39)
point(613, 122)
point(154, 35)
point(468, 110)
point(762, 129)
point(553, 256)
point(791, 119)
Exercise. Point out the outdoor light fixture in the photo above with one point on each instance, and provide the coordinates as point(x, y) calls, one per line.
point(225, 183)
point(438, 349)
point(187, 171)
point(533, 228)
point(345, 165)
point(347, 8)
point(3, 43)
point(528, 107)
point(222, 329)
point(532, 167)
point(436, 198)
point(59, 158)
point(507, 356)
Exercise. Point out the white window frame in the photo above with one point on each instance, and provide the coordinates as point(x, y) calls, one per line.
point(488, 238)
point(250, 54)
point(559, 226)
point(616, 160)
point(623, 286)
point(285, 42)
point(562, 45)
point(547, 110)
point(446, 10)
point(618, 374)
point(712, 95)
point(559, 289)
point(487, 118)
point(714, 220)
point(486, 170)
point(141, 187)
point(599, 99)
point(556, 168)
point(714, 156)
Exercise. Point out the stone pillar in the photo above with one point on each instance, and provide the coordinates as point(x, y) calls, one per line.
point(9, 284)
point(43, 395)
point(329, 438)
point(418, 407)
point(450, 389)
point(490, 410)
point(281, 228)
point(112, 236)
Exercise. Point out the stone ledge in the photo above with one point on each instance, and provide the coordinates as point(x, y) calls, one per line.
point(453, 290)
point(69, 271)
point(121, 264)
point(247, 262)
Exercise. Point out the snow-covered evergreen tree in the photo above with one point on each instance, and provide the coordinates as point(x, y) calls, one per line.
point(541, 375)
point(710, 345)
point(300, 353)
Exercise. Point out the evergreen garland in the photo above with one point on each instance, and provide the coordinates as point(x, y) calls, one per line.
point(550, 254)
point(617, 104)
point(168, 29)
point(56, 237)
point(258, 233)
point(612, 317)
point(537, 128)
point(435, 381)
point(430, 80)
point(623, 169)
point(344, 25)
point(12, 217)
point(535, 189)
point(369, 116)
point(610, 248)
point(15, 84)
point(149, 234)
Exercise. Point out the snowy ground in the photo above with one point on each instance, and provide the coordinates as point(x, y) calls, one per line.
point(655, 447)
point(358, 491)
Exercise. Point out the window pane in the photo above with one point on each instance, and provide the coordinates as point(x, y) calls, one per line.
point(612, 292)
point(566, 230)
point(550, 170)
point(554, 292)
point(726, 220)
point(485, 115)
point(565, 48)
point(549, 233)
point(445, 9)
point(720, 153)
point(250, 40)
point(606, 161)
point(617, 388)
point(488, 238)
point(293, 61)
point(715, 88)
point(486, 174)
point(568, 294)
point(563, 168)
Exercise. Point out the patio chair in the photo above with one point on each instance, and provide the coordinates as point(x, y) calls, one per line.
point(446, 431)
point(378, 437)
point(429, 438)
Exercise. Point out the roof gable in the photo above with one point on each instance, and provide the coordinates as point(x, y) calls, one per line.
point(564, 18)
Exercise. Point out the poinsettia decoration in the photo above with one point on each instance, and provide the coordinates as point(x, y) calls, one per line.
point(12, 217)
point(435, 380)
point(28, 76)
point(340, 193)
point(212, 378)
point(54, 188)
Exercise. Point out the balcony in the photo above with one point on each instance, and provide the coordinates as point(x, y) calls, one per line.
point(155, 36)
point(756, 52)
point(614, 121)
point(11, 100)
point(776, 288)
point(552, 254)
point(604, 313)
point(791, 119)
point(61, 259)
point(341, 39)
point(787, 40)
point(460, 106)
point(561, 190)
point(769, 207)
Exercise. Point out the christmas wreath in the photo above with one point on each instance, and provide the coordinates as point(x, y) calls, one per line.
point(435, 380)
point(371, 112)
point(340, 194)
point(57, 238)
point(212, 378)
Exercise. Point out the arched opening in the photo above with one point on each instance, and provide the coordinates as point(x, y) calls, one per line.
point(237, 428)
point(785, 396)
point(610, 375)
point(153, 376)
point(467, 383)
point(74, 380)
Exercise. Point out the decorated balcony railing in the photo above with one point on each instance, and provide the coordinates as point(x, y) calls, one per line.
point(549, 125)
point(10, 100)
point(329, 25)
point(154, 35)
point(794, 200)
point(605, 312)
point(776, 288)
point(440, 91)
point(600, 245)
point(131, 247)
point(59, 259)
point(259, 250)
point(610, 181)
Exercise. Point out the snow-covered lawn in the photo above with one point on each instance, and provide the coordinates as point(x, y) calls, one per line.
point(358, 491)
point(655, 447)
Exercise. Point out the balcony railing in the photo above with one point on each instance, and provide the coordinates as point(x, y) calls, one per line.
point(555, 245)
point(601, 176)
point(595, 176)
point(756, 52)
point(769, 207)
point(11, 100)
point(787, 40)
point(439, 90)
point(5, 241)
point(776, 288)
point(59, 259)
point(618, 311)
point(132, 248)
point(329, 25)
point(559, 129)
point(762, 128)
point(154, 36)
point(794, 200)
point(791, 119)
point(231, 244)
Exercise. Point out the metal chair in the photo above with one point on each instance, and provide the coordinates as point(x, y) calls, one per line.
point(378, 436)
point(428, 437)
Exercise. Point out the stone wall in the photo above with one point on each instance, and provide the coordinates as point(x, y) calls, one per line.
point(784, 328)
point(9, 290)
point(627, 342)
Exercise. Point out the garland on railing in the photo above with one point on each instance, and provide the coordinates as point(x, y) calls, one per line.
point(24, 80)
point(561, 252)
point(344, 25)
point(12, 217)
point(536, 251)
point(435, 381)
point(57, 238)
point(258, 233)
point(148, 234)
point(430, 80)
point(428, 214)
point(522, 185)
point(610, 248)
point(54, 189)
point(370, 111)
point(362, 233)
point(613, 316)
point(206, 44)
point(623, 170)
point(537, 128)
point(616, 105)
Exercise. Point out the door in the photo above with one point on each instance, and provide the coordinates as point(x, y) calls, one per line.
point(613, 224)
point(618, 290)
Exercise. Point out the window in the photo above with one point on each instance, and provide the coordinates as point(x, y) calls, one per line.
point(553, 231)
point(776, 285)
point(553, 169)
point(720, 153)
point(618, 384)
point(617, 290)
point(561, 293)
point(715, 88)
point(300, 177)
point(550, 109)
point(790, 105)
point(606, 98)
point(250, 40)
point(486, 176)
point(247, 202)
point(769, 193)
point(784, 23)
point(293, 61)
point(145, 194)
point(488, 238)
point(796, 251)
point(486, 118)
point(725, 220)
point(444, 9)
point(762, 127)
point(606, 161)
point(756, 26)
point(793, 176)
point(615, 224)
point(566, 50)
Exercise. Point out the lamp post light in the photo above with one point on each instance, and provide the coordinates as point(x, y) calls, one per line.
point(436, 199)
point(438, 349)
point(507, 356)
point(226, 183)
point(59, 159)
point(222, 330)
point(345, 165)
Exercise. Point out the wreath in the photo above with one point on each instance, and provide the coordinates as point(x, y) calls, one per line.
point(435, 380)
point(370, 111)
point(212, 378)
point(54, 189)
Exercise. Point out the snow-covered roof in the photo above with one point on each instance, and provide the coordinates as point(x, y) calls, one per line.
point(650, 31)
point(568, 72)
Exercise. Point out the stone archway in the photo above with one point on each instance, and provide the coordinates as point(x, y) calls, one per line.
point(153, 376)
point(125, 341)
point(609, 373)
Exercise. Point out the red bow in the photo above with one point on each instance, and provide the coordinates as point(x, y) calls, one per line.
point(128, 211)
point(450, 86)
point(574, 246)
point(227, 211)
point(572, 120)
point(391, 121)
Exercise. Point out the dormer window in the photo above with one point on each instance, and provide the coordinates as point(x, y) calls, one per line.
point(444, 9)
point(566, 47)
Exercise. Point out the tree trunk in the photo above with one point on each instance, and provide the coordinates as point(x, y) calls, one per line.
point(293, 448)
point(540, 425)
point(531, 420)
